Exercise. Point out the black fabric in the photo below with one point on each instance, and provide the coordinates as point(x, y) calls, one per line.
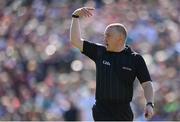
point(112, 112)
point(142, 72)
point(92, 50)
point(116, 72)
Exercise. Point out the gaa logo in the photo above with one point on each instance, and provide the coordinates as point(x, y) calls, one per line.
point(106, 62)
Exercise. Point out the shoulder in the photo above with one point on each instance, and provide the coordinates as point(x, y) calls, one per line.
point(98, 45)
point(136, 56)
point(133, 53)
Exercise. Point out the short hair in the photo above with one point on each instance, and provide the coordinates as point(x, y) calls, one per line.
point(119, 28)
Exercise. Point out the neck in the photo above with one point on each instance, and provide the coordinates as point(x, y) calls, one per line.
point(116, 49)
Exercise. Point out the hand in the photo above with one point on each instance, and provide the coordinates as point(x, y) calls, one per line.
point(149, 112)
point(84, 12)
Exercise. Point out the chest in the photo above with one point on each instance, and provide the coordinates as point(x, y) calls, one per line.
point(119, 66)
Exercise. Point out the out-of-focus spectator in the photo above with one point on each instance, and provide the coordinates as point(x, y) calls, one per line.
point(42, 77)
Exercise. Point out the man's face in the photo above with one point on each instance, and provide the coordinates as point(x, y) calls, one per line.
point(111, 36)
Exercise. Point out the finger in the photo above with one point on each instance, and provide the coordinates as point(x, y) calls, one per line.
point(89, 8)
point(87, 12)
point(148, 115)
point(84, 13)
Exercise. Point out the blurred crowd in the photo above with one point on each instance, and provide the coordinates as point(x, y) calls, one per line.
point(42, 77)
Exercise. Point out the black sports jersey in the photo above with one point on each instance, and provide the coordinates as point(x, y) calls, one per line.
point(116, 72)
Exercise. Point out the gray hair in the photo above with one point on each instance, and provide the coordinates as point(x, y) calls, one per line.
point(119, 28)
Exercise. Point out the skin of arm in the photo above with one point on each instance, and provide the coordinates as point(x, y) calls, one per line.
point(149, 96)
point(148, 91)
point(75, 32)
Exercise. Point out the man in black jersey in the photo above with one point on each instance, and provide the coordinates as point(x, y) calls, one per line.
point(117, 66)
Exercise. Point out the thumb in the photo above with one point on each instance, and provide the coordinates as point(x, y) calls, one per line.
point(146, 114)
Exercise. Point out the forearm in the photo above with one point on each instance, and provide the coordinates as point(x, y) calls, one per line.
point(75, 33)
point(148, 91)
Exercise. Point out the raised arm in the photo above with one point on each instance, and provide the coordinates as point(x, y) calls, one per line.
point(75, 32)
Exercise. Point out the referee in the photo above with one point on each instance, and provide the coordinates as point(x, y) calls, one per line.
point(117, 66)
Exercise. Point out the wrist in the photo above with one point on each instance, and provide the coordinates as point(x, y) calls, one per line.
point(150, 104)
point(75, 16)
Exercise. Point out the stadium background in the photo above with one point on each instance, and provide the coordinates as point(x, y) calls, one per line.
point(42, 77)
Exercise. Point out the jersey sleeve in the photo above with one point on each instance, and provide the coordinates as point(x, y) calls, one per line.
point(142, 72)
point(91, 50)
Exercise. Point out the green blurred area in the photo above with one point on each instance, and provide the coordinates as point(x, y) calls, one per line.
point(42, 77)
